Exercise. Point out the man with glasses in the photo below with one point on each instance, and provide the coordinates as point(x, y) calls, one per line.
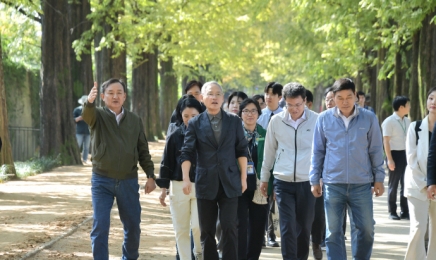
point(288, 147)
point(216, 138)
point(348, 154)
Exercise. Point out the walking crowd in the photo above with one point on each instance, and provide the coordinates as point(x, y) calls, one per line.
point(229, 169)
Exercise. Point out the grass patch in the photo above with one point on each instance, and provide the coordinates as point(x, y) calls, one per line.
point(34, 166)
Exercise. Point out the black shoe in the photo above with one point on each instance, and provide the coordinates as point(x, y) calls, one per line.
point(317, 252)
point(404, 215)
point(264, 242)
point(272, 243)
point(394, 216)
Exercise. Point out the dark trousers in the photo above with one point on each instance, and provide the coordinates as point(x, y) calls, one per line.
point(251, 222)
point(207, 214)
point(318, 225)
point(395, 177)
point(269, 225)
point(296, 210)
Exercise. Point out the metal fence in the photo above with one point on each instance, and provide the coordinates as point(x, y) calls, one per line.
point(24, 142)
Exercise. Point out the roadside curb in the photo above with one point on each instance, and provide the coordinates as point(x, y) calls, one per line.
point(52, 242)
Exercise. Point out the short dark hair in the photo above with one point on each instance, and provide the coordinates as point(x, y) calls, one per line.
point(360, 93)
point(238, 94)
point(192, 84)
point(309, 96)
point(277, 88)
point(184, 102)
point(248, 101)
point(327, 91)
point(399, 101)
point(257, 96)
point(108, 82)
point(293, 90)
point(343, 84)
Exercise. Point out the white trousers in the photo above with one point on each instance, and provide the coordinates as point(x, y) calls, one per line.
point(184, 213)
point(421, 212)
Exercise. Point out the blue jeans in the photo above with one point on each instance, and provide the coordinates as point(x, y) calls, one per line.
point(126, 192)
point(358, 198)
point(83, 140)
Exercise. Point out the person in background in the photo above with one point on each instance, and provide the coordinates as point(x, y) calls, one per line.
point(361, 99)
point(82, 130)
point(192, 88)
point(273, 94)
point(309, 99)
point(288, 146)
point(340, 132)
point(394, 139)
point(234, 100)
point(215, 140)
point(251, 232)
point(183, 207)
point(118, 144)
point(261, 100)
point(421, 208)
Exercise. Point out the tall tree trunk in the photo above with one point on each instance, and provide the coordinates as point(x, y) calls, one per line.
point(406, 69)
point(57, 125)
point(424, 62)
point(145, 95)
point(5, 149)
point(382, 88)
point(398, 77)
point(81, 71)
point(432, 68)
point(168, 90)
point(414, 86)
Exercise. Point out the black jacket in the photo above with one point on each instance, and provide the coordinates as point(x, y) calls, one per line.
point(170, 168)
point(216, 161)
point(431, 161)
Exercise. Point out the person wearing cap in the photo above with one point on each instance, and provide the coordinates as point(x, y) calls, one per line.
point(82, 130)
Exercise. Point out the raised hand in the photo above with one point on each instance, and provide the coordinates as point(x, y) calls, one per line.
point(93, 94)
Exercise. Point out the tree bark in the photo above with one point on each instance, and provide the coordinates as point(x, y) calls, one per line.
point(432, 68)
point(81, 71)
point(382, 89)
point(57, 125)
point(5, 149)
point(145, 95)
point(168, 90)
point(398, 77)
point(414, 86)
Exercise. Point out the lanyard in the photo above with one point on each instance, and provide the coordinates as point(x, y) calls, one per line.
point(403, 126)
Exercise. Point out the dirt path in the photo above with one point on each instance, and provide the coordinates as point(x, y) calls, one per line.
point(43, 208)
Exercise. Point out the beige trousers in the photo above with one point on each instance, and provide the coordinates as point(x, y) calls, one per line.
point(421, 212)
point(185, 218)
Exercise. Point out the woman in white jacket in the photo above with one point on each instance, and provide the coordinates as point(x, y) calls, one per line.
point(421, 209)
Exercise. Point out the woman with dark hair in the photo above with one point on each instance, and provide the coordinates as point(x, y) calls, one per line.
point(183, 207)
point(192, 88)
point(251, 205)
point(420, 163)
point(235, 100)
point(260, 99)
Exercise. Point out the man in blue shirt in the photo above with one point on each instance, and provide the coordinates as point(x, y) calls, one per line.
point(348, 153)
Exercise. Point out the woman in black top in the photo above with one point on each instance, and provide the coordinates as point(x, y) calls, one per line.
point(183, 207)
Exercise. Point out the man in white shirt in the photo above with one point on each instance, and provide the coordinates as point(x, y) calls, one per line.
point(394, 140)
point(273, 94)
point(288, 146)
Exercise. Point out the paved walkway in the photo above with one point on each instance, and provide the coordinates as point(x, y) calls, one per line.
point(390, 236)
point(157, 239)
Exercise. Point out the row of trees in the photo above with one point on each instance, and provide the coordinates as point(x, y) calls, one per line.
point(388, 47)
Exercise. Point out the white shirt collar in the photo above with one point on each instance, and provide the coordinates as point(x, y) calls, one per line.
point(119, 116)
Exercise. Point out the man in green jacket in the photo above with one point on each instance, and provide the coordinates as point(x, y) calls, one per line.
point(118, 144)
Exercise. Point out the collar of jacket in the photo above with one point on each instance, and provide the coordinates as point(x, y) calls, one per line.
point(285, 114)
point(336, 109)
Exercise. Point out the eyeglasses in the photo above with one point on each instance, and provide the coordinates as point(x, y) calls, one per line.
point(294, 106)
point(250, 112)
point(329, 100)
point(214, 95)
